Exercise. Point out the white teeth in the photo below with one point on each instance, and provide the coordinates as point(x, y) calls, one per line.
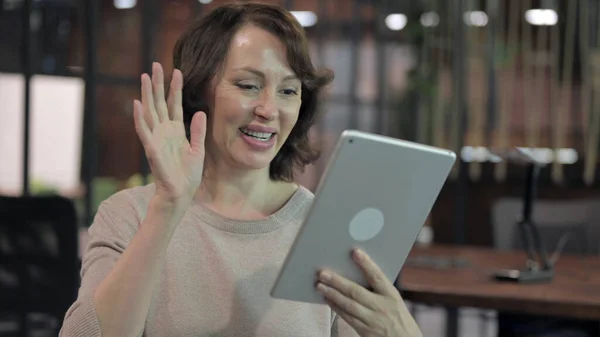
point(258, 135)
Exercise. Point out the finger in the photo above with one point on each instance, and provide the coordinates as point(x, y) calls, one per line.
point(148, 102)
point(344, 305)
point(198, 132)
point(141, 127)
point(174, 102)
point(358, 325)
point(375, 276)
point(349, 289)
point(158, 85)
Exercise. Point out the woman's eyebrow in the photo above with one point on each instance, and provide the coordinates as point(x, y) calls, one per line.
point(262, 75)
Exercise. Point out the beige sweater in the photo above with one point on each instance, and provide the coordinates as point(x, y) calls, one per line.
point(217, 276)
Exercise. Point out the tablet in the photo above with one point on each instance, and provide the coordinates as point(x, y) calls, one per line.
point(375, 194)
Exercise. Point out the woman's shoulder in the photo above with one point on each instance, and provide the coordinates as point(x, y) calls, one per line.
point(304, 194)
point(299, 203)
point(124, 210)
point(133, 198)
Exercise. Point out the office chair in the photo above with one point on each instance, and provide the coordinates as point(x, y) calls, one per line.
point(39, 262)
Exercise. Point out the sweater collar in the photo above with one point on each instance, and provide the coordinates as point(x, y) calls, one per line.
point(287, 214)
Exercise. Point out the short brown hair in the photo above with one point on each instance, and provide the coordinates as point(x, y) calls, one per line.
point(200, 53)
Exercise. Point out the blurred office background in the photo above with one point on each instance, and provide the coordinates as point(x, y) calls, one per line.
point(475, 76)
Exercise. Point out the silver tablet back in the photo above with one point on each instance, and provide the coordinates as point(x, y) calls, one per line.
point(376, 194)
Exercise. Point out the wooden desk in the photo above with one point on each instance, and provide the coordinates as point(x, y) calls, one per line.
point(574, 292)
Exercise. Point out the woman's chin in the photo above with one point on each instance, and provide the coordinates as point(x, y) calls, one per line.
point(251, 158)
point(254, 161)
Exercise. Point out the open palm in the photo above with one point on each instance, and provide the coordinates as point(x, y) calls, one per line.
point(176, 163)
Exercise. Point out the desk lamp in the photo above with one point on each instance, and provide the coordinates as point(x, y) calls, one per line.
point(538, 268)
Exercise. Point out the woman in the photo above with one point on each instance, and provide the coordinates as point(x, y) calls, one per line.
point(195, 253)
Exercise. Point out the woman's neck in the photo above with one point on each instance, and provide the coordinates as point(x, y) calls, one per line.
point(242, 194)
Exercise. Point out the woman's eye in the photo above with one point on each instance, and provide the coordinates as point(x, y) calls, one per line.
point(246, 86)
point(290, 92)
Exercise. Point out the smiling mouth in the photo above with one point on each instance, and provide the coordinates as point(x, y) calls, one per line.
point(263, 136)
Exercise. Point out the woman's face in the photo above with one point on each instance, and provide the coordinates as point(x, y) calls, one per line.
point(256, 101)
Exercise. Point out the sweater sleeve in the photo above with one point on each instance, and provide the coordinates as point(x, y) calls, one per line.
point(110, 233)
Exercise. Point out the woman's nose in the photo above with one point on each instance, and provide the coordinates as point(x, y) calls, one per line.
point(267, 107)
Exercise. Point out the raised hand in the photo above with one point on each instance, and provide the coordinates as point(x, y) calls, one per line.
point(176, 163)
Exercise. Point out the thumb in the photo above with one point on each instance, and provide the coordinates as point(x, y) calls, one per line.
point(198, 132)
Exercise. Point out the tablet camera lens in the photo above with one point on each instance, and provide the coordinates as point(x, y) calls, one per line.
point(351, 141)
